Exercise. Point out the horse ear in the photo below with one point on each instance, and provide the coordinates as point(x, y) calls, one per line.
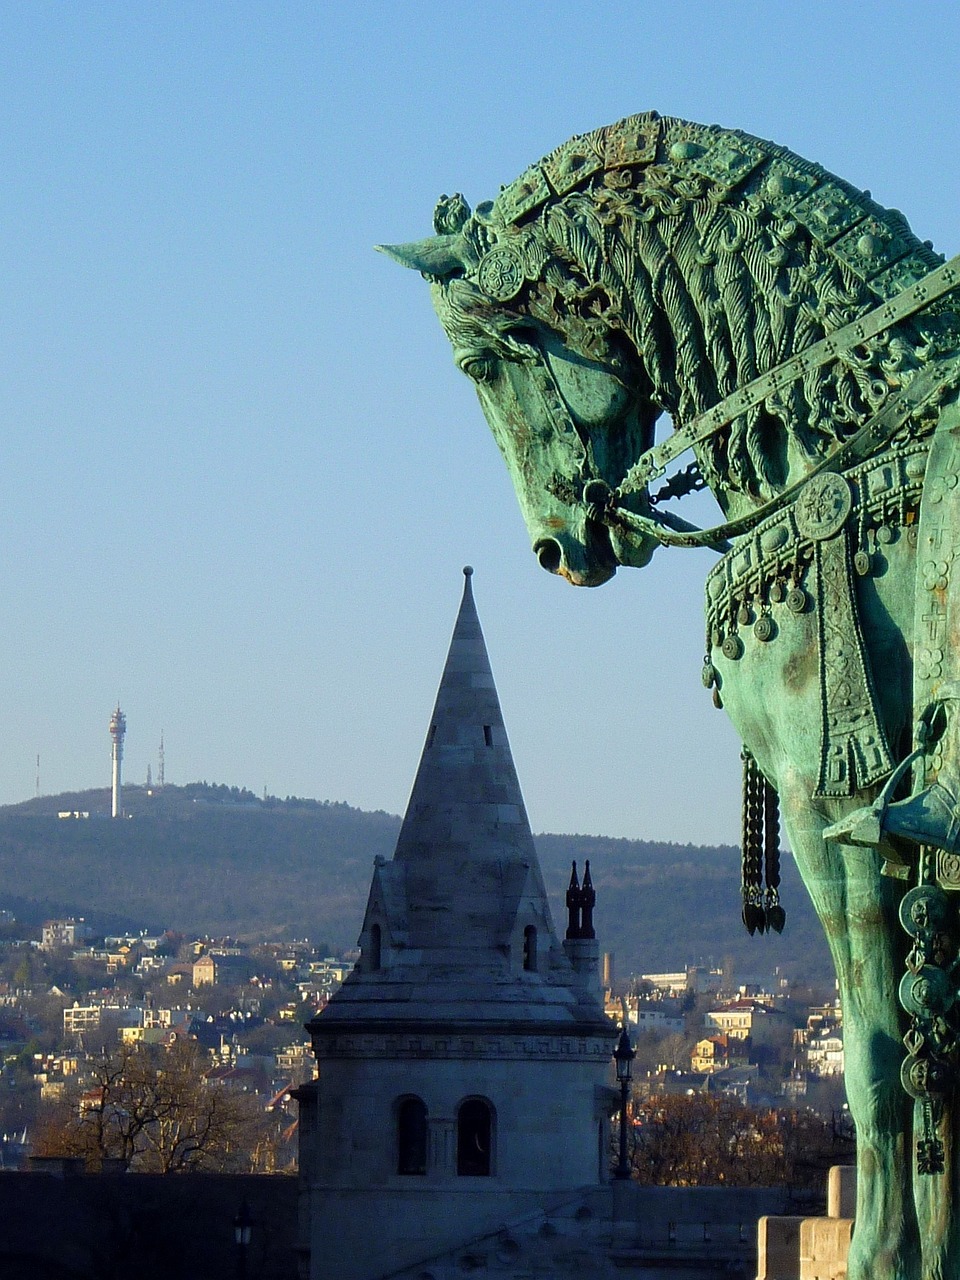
point(436, 256)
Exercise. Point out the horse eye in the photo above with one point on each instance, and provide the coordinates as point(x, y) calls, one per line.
point(479, 368)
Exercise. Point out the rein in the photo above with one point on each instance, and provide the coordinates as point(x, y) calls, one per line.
point(605, 505)
point(929, 385)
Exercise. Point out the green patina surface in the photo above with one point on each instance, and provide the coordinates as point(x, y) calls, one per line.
point(804, 344)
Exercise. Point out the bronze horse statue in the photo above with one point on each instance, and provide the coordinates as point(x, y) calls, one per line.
point(804, 344)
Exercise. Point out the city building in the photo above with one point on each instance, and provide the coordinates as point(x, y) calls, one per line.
point(746, 1019)
point(695, 978)
point(822, 1040)
point(229, 969)
point(716, 1053)
point(824, 1053)
point(662, 1017)
point(63, 933)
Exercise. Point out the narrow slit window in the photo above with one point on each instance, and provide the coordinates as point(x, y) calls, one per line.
point(375, 947)
point(530, 947)
point(431, 735)
point(488, 735)
point(412, 1136)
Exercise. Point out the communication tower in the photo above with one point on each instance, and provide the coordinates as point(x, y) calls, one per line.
point(118, 727)
point(160, 763)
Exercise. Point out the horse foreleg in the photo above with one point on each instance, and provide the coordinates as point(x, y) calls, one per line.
point(857, 907)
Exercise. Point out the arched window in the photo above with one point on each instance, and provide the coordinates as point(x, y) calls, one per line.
point(411, 1136)
point(474, 1137)
point(375, 946)
point(530, 947)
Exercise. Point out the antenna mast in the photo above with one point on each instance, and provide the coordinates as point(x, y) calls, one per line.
point(118, 727)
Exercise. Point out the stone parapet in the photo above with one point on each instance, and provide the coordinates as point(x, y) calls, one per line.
point(778, 1248)
point(824, 1245)
point(798, 1248)
point(842, 1191)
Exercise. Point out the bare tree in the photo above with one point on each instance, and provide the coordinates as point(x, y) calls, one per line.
point(154, 1111)
point(706, 1139)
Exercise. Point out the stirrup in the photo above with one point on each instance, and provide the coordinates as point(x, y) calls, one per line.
point(868, 826)
point(865, 827)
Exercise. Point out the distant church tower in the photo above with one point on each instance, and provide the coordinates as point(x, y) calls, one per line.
point(118, 727)
point(462, 1063)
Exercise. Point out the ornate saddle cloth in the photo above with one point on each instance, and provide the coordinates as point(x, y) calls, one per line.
point(808, 556)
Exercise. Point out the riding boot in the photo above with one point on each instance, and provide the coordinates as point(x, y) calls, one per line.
point(930, 816)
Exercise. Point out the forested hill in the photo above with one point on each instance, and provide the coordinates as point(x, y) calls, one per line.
point(218, 860)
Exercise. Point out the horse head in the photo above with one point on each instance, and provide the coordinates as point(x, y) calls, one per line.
point(653, 267)
point(569, 417)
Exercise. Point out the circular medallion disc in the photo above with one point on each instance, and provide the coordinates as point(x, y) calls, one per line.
point(500, 274)
point(915, 1077)
point(797, 600)
point(823, 507)
point(926, 992)
point(923, 909)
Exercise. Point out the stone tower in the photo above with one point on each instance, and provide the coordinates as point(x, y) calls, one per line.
point(462, 1063)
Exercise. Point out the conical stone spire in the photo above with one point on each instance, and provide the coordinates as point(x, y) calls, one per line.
point(465, 843)
point(466, 790)
point(458, 924)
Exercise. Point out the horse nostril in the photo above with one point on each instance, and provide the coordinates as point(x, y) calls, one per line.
point(549, 554)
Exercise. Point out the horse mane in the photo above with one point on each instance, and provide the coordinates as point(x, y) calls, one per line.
point(716, 255)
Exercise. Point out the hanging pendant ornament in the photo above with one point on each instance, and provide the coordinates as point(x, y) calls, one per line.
point(776, 917)
point(751, 886)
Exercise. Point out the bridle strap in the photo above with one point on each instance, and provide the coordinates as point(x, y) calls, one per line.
point(654, 461)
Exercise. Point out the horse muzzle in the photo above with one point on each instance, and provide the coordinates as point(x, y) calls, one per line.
point(584, 562)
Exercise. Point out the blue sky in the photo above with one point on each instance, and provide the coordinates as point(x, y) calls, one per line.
point(240, 472)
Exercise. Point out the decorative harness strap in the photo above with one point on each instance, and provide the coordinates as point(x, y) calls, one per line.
point(929, 385)
point(908, 302)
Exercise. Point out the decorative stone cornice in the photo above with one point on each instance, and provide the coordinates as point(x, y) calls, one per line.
point(511, 1044)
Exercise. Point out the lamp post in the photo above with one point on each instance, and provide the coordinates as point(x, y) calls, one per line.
point(623, 1056)
point(242, 1224)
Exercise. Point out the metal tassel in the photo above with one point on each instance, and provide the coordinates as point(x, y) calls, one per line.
point(775, 915)
point(930, 1152)
point(751, 884)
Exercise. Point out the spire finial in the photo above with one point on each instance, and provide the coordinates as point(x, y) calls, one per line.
point(588, 899)
point(573, 905)
point(468, 570)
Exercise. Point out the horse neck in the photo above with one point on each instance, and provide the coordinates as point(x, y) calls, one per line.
point(718, 298)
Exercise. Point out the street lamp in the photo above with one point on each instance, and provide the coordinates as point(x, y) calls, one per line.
point(242, 1224)
point(623, 1056)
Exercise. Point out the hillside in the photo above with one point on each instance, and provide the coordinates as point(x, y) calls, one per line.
point(214, 859)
